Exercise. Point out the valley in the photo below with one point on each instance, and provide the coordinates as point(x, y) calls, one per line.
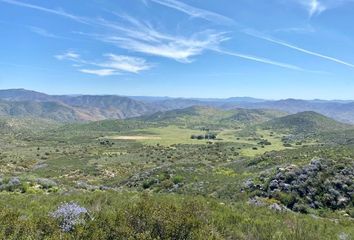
point(184, 173)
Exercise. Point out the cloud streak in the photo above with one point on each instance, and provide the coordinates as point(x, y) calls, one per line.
point(195, 12)
point(142, 37)
point(112, 65)
point(178, 48)
point(47, 10)
point(42, 32)
point(260, 60)
point(99, 72)
point(288, 45)
point(316, 7)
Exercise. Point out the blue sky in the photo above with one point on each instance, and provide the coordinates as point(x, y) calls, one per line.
point(182, 48)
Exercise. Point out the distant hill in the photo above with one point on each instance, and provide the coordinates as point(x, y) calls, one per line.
point(209, 116)
point(109, 106)
point(45, 110)
point(178, 103)
point(24, 95)
point(21, 125)
point(191, 117)
point(100, 107)
point(339, 110)
point(305, 122)
point(254, 116)
point(198, 112)
point(67, 108)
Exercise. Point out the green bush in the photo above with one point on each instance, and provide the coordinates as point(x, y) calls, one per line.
point(177, 179)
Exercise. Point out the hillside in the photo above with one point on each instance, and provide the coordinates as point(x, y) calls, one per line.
point(24, 95)
point(253, 116)
point(339, 110)
point(46, 110)
point(24, 125)
point(212, 118)
point(101, 107)
point(108, 107)
point(65, 108)
point(305, 122)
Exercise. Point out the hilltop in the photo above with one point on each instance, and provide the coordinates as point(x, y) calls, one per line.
point(101, 107)
point(67, 108)
point(305, 122)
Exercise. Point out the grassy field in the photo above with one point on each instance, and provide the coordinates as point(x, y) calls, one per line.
point(111, 166)
point(165, 136)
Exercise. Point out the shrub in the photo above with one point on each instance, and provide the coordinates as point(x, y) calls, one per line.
point(177, 179)
point(69, 215)
point(46, 183)
point(298, 207)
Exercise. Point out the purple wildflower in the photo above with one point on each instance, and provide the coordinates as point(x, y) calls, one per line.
point(69, 215)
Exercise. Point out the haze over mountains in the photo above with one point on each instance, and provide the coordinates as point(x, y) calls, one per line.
point(71, 108)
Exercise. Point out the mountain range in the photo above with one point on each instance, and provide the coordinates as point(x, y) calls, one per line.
point(72, 108)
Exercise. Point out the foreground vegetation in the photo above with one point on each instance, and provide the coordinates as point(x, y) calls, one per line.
point(143, 216)
point(160, 177)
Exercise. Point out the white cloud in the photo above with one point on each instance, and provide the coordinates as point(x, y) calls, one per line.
point(47, 10)
point(100, 72)
point(141, 37)
point(316, 7)
point(42, 32)
point(177, 48)
point(113, 65)
point(69, 55)
point(288, 45)
point(300, 30)
point(261, 60)
point(195, 12)
point(125, 63)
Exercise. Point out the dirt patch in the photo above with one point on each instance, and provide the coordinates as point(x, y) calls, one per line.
point(134, 138)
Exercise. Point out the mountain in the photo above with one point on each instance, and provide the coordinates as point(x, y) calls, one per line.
point(100, 107)
point(45, 110)
point(305, 122)
point(21, 125)
point(69, 108)
point(339, 110)
point(243, 99)
point(202, 115)
point(24, 95)
point(254, 115)
point(109, 106)
point(195, 117)
point(178, 103)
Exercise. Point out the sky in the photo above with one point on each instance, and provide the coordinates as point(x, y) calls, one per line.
point(272, 49)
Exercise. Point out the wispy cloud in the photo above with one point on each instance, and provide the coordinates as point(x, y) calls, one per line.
point(69, 55)
point(288, 45)
point(300, 30)
point(142, 37)
point(316, 7)
point(125, 63)
point(42, 32)
point(195, 12)
point(47, 10)
point(112, 65)
point(175, 47)
point(99, 72)
point(260, 59)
